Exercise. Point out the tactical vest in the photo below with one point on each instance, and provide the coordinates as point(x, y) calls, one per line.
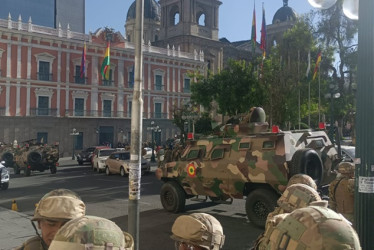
point(33, 243)
point(342, 193)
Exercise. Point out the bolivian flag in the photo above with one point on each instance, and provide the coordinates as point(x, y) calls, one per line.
point(319, 58)
point(106, 63)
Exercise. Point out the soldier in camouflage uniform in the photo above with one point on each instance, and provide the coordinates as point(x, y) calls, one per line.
point(341, 191)
point(91, 232)
point(312, 227)
point(52, 212)
point(197, 231)
point(294, 197)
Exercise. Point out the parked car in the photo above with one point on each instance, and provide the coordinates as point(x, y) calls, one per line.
point(85, 155)
point(348, 153)
point(148, 153)
point(99, 156)
point(4, 179)
point(118, 163)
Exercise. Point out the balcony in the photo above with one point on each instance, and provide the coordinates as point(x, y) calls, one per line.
point(44, 76)
point(43, 112)
point(96, 114)
point(108, 83)
point(80, 80)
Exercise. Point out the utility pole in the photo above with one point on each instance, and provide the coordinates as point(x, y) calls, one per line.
point(136, 129)
point(364, 173)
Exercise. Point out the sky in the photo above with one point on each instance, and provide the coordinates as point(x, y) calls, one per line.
point(235, 16)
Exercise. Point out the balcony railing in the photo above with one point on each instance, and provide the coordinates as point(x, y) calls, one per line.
point(108, 83)
point(43, 112)
point(44, 76)
point(112, 114)
point(80, 80)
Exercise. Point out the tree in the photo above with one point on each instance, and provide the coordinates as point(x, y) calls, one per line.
point(235, 89)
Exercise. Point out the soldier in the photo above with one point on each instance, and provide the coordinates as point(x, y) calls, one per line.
point(197, 231)
point(303, 179)
point(312, 227)
point(91, 232)
point(168, 156)
point(294, 197)
point(52, 212)
point(341, 191)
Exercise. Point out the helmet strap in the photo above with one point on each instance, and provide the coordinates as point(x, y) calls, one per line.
point(44, 245)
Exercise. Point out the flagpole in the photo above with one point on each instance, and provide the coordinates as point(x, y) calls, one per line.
point(319, 94)
point(298, 83)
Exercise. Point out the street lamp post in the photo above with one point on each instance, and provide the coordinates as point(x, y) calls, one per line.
point(74, 133)
point(153, 128)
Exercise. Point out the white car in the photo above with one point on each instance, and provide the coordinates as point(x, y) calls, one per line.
point(348, 153)
point(4, 181)
point(99, 157)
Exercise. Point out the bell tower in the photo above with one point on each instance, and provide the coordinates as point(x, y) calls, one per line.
point(192, 26)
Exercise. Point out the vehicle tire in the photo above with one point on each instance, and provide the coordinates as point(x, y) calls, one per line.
point(34, 158)
point(80, 163)
point(53, 169)
point(173, 197)
point(107, 172)
point(17, 169)
point(259, 203)
point(307, 161)
point(27, 171)
point(8, 158)
point(122, 171)
point(5, 186)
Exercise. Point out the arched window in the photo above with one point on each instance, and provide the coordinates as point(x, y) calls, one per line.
point(176, 18)
point(201, 19)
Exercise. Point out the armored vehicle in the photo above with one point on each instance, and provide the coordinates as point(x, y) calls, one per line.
point(245, 160)
point(30, 156)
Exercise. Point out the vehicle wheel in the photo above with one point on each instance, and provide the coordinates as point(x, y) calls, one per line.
point(259, 204)
point(27, 171)
point(173, 197)
point(307, 161)
point(53, 169)
point(107, 172)
point(80, 163)
point(122, 171)
point(17, 169)
point(5, 186)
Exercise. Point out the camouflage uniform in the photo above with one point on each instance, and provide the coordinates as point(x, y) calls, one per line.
point(303, 179)
point(313, 227)
point(91, 232)
point(341, 191)
point(294, 197)
point(198, 229)
point(57, 205)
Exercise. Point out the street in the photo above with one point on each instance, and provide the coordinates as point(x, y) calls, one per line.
point(107, 196)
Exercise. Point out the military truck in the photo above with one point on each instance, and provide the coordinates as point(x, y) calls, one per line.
point(245, 160)
point(30, 156)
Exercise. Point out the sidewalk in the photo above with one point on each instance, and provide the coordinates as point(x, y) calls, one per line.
point(15, 228)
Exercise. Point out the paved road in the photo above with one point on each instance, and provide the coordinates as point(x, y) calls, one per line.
point(107, 196)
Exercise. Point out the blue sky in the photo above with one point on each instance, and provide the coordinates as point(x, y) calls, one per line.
point(235, 16)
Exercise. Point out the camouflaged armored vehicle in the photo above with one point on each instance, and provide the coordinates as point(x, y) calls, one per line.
point(245, 160)
point(31, 156)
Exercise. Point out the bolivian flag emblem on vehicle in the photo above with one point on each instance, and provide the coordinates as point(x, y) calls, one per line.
point(191, 170)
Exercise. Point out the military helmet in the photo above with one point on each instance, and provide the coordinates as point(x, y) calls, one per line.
point(91, 232)
point(199, 229)
point(346, 168)
point(59, 204)
point(313, 227)
point(297, 196)
point(303, 179)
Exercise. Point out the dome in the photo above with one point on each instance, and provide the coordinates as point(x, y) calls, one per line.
point(152, 10)
point(284, 14)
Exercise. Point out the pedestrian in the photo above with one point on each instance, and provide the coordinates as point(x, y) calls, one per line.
point(341, 191)
point(91, 233)
point(312, 227)
point(51, 213)
point(197, 231)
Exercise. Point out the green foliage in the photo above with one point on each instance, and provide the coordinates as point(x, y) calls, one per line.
point(235, 89)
